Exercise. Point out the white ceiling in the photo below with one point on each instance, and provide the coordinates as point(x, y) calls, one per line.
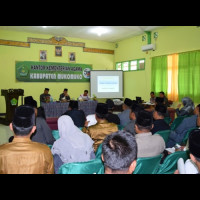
point(114, 33)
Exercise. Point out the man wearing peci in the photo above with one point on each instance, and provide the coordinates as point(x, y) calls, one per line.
point(64, 96)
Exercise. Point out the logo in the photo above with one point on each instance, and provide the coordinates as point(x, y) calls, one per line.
point(86, 72)
point(13, 102)
point(23, 71)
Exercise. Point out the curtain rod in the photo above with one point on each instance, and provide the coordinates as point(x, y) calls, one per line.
point(175, 53)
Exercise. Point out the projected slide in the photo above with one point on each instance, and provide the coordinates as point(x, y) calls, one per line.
point(108, 84)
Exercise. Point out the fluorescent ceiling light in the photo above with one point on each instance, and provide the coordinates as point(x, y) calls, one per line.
point(99, 31)
point(44, 26)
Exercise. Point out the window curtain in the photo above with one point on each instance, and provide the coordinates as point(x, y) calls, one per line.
point(159, 75)
point(189, 75)
point(172, 63)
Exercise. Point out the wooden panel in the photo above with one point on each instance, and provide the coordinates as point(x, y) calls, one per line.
point(94, 50)
point(14, 43)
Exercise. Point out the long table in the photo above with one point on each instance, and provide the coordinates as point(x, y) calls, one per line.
point(56, 109)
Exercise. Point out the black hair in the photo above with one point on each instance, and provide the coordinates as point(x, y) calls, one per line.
point(119, 150)
point(23, 120)
point(41, 112)
point(136, 108)
point(162, 93)
point(46, 89)
point(66, 89)
point(110, 104)
point(144, 120)
point(86, 91)
point(152, 93)
point(73, 104)
point(161, 109)
point(194, 143)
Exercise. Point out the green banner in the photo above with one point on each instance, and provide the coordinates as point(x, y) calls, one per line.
point(29, 71)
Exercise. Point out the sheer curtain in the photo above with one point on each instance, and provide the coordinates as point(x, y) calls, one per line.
point(172, 63)
point(159, 75)
point(189, 75)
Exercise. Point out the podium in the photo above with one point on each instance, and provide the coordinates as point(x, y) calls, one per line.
point(11, 98)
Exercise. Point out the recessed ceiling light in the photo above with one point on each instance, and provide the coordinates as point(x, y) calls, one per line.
point(44, 26)
point(99, 31)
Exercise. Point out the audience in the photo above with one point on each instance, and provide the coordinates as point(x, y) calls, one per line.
point(112, 117)
point(177, 135)
point(78, 116)
point(187, 109)
point(72, 146)
point(43, 133)
point(102, 128)
point(124, 116)
point(148, 145)
point(119, 153)
point(23, 156)
point(130, 127)
point(159, 122)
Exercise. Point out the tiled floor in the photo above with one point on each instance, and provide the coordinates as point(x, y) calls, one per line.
point(5, 133)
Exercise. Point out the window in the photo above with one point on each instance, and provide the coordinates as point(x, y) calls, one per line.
point(132, 65)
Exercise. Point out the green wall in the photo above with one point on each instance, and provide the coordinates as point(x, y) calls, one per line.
point(10, 54)
point(170, 40)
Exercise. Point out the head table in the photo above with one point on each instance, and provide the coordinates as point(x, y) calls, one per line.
point(56, 109)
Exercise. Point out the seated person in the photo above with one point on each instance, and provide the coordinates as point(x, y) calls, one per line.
point(102, 128)
point(162, 95)
point(23, 156)
point(187, 109)
point(45, 97)
point(78, 116)
point(43, 133)
point(64, 96)
point(124, 115)
point(194, 148)
point(124, 157)
point(72, 146)
point(177, 135)
point(130, 127)
point(84, 96)
point(112, 117)
point(153, 97)
point(159, 122)
point(148, 145)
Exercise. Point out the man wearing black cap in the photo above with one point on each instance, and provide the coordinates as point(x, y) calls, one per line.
point(64, 96)
point(124, 116)
point(45, 97)
point(22, 156)
point(102, 128)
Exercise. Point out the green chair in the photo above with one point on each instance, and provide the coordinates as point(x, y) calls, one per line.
point(147, 165)
point(165, 135)
point(184, 141)
point(167, 120)
point(120, 127)
point(55, 134)
point(177, 121)
point(49, 145)
point(169, 165)
point(89, 167)
point(99, 151)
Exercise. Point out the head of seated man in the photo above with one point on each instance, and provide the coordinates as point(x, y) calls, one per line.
point(119, 153)
point(159, 112)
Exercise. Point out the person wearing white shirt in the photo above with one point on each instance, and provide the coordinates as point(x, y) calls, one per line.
point(84, 96)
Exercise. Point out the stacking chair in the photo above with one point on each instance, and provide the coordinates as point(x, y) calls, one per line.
point(49, 145)
point(147, 165)
point(55, 134)
point(177, 121)
point(99, 151)
point(184, 141)
point(165, 135)
point(169, 165)
point(120, 127)
point(89, 167)
point(167, 120)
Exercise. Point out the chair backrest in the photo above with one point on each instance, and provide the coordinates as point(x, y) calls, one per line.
point(55, 134)
point(89, 167)
point(99, 151)
point(49, 145)
point(120, 127)
point(184, 141)
point(167, 120)
point(165, 135)
point(177, 121)
point(169, 165)
point(147, 165)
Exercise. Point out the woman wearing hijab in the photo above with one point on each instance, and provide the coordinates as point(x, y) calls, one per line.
point(188, 107)
point(72, 146)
